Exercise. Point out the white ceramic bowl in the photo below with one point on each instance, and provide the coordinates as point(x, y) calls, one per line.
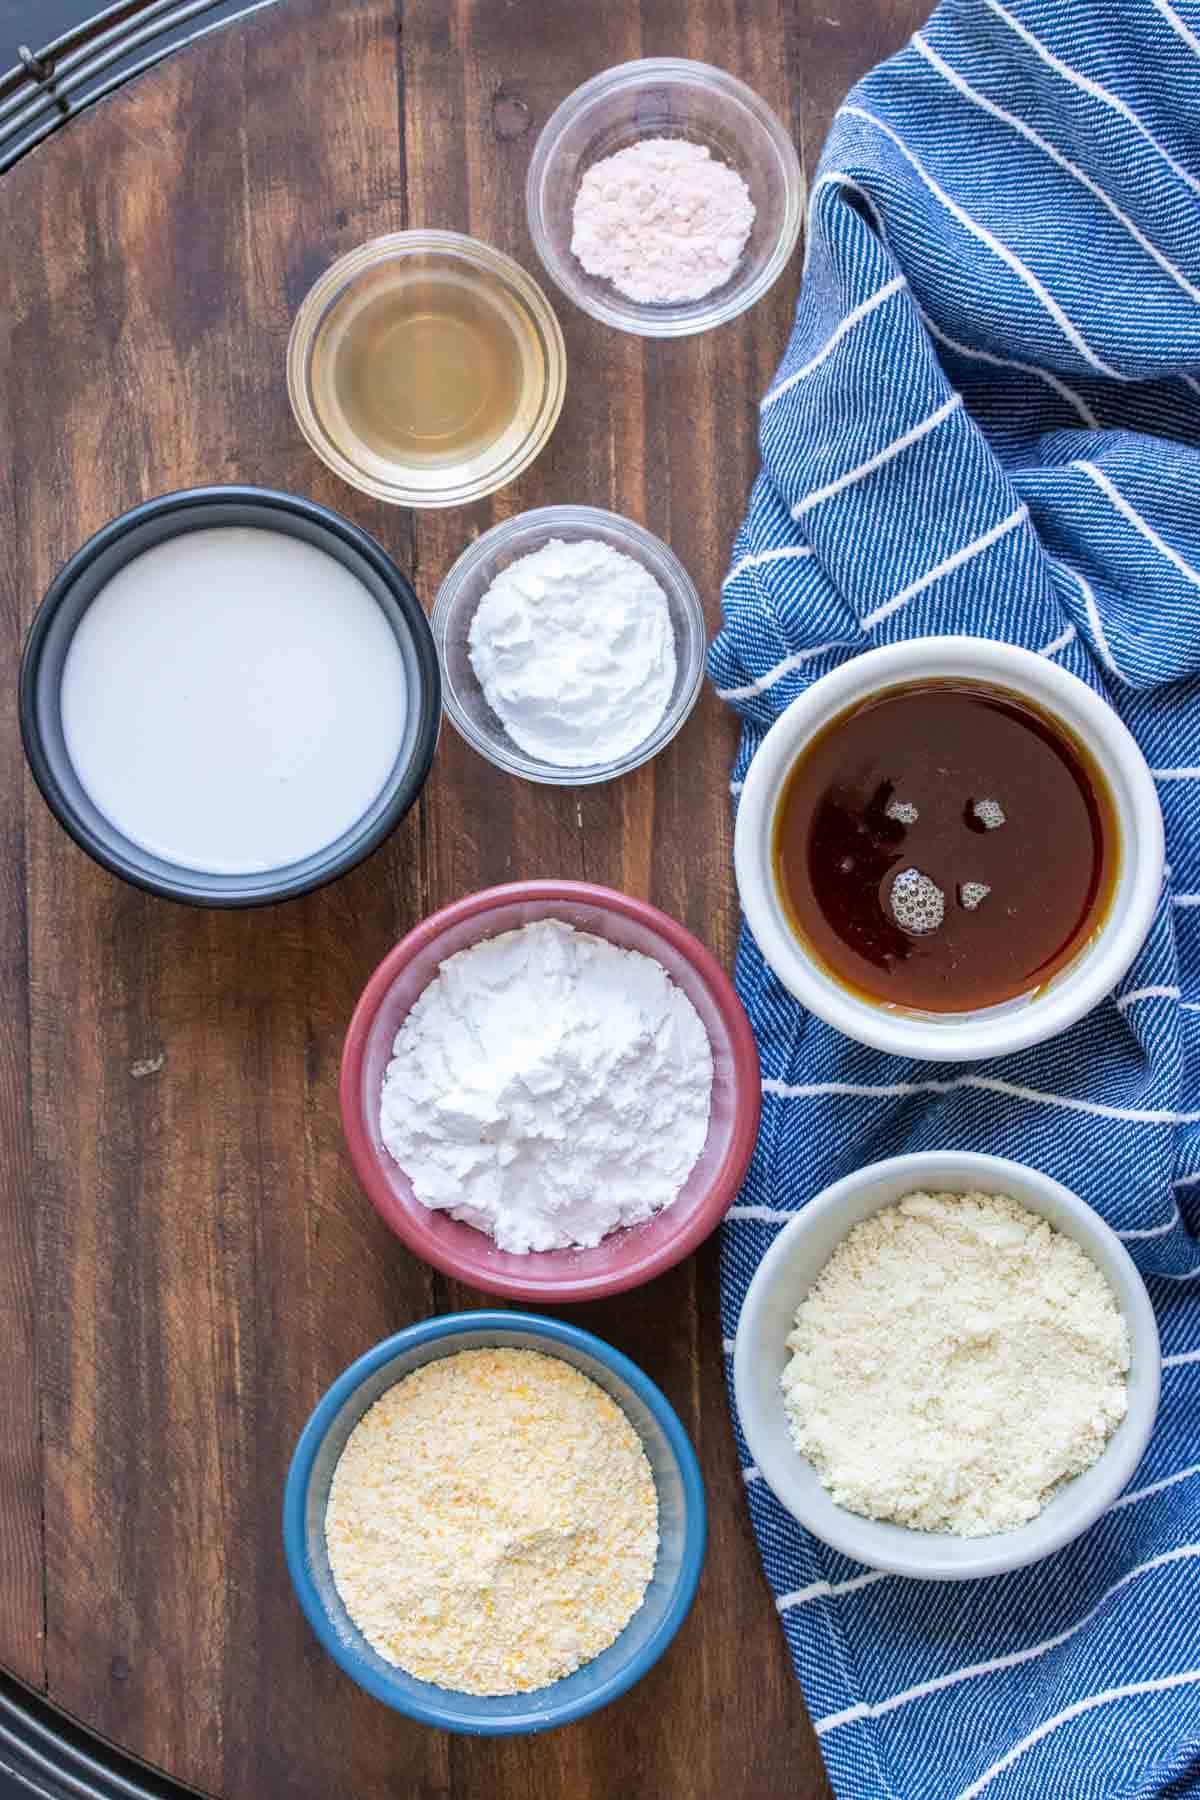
point(990, 1031)
point(787, 1273)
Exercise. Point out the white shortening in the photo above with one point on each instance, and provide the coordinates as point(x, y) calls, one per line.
point(574, 649)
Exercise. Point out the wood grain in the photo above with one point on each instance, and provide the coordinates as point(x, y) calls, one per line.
point(185, 1258)
point(21, 1566)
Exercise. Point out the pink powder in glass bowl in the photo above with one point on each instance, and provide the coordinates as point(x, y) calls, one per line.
point(626, 1258)
point(664, 220)
point(673, 98)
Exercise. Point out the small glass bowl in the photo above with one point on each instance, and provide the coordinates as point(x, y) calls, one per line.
point(512, 294)
point(472, 576)
point(666, 96)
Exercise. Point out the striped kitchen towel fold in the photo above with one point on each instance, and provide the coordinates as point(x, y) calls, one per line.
point(987, 421)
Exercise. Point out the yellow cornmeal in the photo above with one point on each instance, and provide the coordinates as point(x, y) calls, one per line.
point(492, 1521)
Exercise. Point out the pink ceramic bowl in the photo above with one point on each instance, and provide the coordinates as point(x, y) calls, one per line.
point(627, 1258)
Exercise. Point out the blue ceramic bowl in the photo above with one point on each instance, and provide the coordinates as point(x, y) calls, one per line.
point(682, 1524)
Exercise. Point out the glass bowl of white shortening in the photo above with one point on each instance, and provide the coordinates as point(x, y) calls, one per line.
point(471, 577)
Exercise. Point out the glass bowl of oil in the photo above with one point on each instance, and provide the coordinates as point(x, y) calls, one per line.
point(426, 368)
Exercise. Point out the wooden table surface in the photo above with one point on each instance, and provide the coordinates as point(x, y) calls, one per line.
point(186, 1260)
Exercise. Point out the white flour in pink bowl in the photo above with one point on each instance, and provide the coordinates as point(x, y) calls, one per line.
point(664, 220)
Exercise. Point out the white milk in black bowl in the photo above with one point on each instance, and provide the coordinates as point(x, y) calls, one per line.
point(237, 711)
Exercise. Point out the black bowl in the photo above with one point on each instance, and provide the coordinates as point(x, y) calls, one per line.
point(76, 586)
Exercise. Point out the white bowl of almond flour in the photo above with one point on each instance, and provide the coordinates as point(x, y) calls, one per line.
point(494, 1522)
point(947, 1366)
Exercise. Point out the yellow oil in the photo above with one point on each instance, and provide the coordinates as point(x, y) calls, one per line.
point(425, 366)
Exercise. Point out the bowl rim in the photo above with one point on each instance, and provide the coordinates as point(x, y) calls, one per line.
point(651, 552)
point(337, 276)
point(186, 503)
point(683, 319)
point(987, 1171)
point(554, 1331)
point(952, 1037)
point(705, 1214)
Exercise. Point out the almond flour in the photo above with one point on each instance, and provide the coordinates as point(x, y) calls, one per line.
point(955, 1362)
point(492, 1521)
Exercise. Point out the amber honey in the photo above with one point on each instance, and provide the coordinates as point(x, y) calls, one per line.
point(993, 804)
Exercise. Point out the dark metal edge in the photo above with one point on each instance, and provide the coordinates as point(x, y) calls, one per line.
point(48, 1755)
point(46, 88)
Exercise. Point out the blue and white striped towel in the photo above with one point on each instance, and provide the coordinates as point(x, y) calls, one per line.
point(987, 420)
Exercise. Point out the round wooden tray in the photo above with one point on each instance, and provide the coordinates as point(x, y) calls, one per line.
point(186, 1260)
